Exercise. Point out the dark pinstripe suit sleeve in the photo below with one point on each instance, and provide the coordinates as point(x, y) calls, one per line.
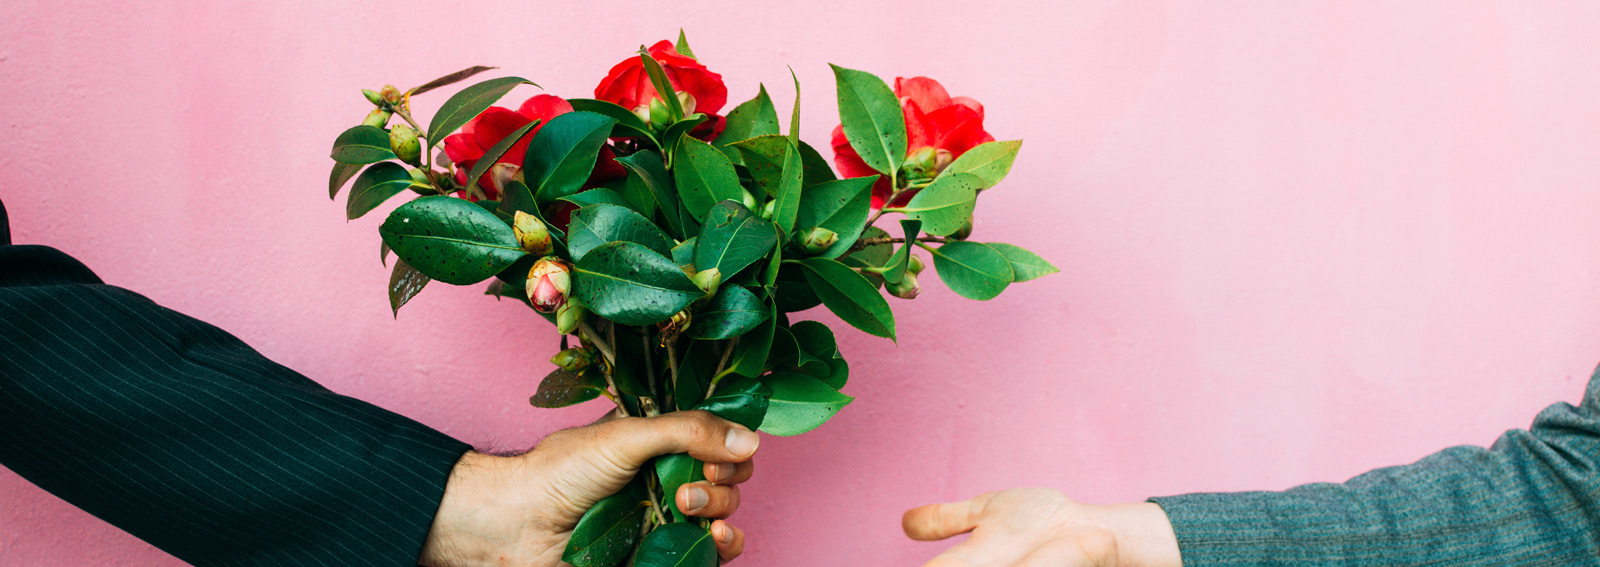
point(1533, 498)
point(180, 434)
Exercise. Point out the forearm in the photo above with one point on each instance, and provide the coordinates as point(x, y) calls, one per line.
point(1528, 500)
point(181, 435)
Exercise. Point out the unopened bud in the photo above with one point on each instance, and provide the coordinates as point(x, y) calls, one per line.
point(915, 265)
point(963, 232)
point(921, 164)
point(643, 112)
point(548, 284)
point(942, 159)
point(378, 118)
point(748, 200)
point(573, 359)
point(420, 177)
point(686, 101)
point(391, 95)
point(570, 315)
point(818, 240)
point(707, 279)
point(372, 96)
point(501, 174)
point(907, 287)
point(769, 209)
point(532, 234)
point(403, 140)
point(660, 115)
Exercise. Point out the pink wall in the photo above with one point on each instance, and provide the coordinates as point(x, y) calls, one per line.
point(1298, 240)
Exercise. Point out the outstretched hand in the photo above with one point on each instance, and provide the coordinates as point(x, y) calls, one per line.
point(520, 510)
point(1041, 527)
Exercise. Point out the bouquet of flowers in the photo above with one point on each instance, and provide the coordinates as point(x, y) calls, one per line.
point(676, 244)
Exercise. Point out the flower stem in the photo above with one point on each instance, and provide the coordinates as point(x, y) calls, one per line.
point(716, 377)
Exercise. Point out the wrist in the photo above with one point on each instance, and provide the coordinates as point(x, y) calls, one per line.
point(1143, 534)
point(482, 518)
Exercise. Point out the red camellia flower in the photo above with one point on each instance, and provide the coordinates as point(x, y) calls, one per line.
point(629, 86)
point(487, 129)
point(939, 128)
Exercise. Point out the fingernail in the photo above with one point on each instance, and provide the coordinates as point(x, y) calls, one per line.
point(721, 472)
point(742, 443)
point(724, 534)
point(695, 499)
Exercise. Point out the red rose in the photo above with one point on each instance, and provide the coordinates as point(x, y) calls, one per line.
point(629, 86)
point(493, 125)
point(939, 128)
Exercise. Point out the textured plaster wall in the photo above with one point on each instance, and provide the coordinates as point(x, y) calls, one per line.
point(1298, 240)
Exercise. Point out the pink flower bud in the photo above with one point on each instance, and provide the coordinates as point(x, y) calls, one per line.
point(532, 234)
point(818, 240)
point(942, 159)
point(570, 316)
point(907, 288)
point(378, 118)
point(403, 140)
point(391, 94)
point(548, 284)
point(573, 359)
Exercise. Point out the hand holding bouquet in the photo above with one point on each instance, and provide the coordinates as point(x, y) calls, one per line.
point(675, 243)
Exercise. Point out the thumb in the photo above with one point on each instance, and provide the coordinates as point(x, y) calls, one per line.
point(939, 521)
point(703, 436)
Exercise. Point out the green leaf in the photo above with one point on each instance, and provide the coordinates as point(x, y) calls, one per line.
point(497, 151)
point(732, 312)
point(563, 153)
point(794, 119)
point(683, 253)
point(973, 270)
point(404, 284)
point(872, 119)
point(608, 531)
point(816, 167)
point(341, 174)
point(785, 349)
point(450, 79)
point(838, 373)
point(752, 118)
point(1025, 265)
point(946, 204)
point(841, 206)
point(750, 353)
point(791, 180)
point(598, 196)
point(683, 46)
point(679, 544)
point(467, 104)
point(990, 161)
point(596, 225)
point(560, 388)
point(740, 400)
point(763, 157)
point(630, 374)
point(849, 295)
point(799, 403)
point(697, 367)
point(704, 177)
point(374, 186)
point(794, 291)
point(362, 145)
point(450, 239)
point(674, 471)
point(874, 256)
point(646, 166)
point(658, 79)
point(902, 260)
point(815, 339)
point(732, 238)
point(631, 284)
point(679, 130)
point(625, 118)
